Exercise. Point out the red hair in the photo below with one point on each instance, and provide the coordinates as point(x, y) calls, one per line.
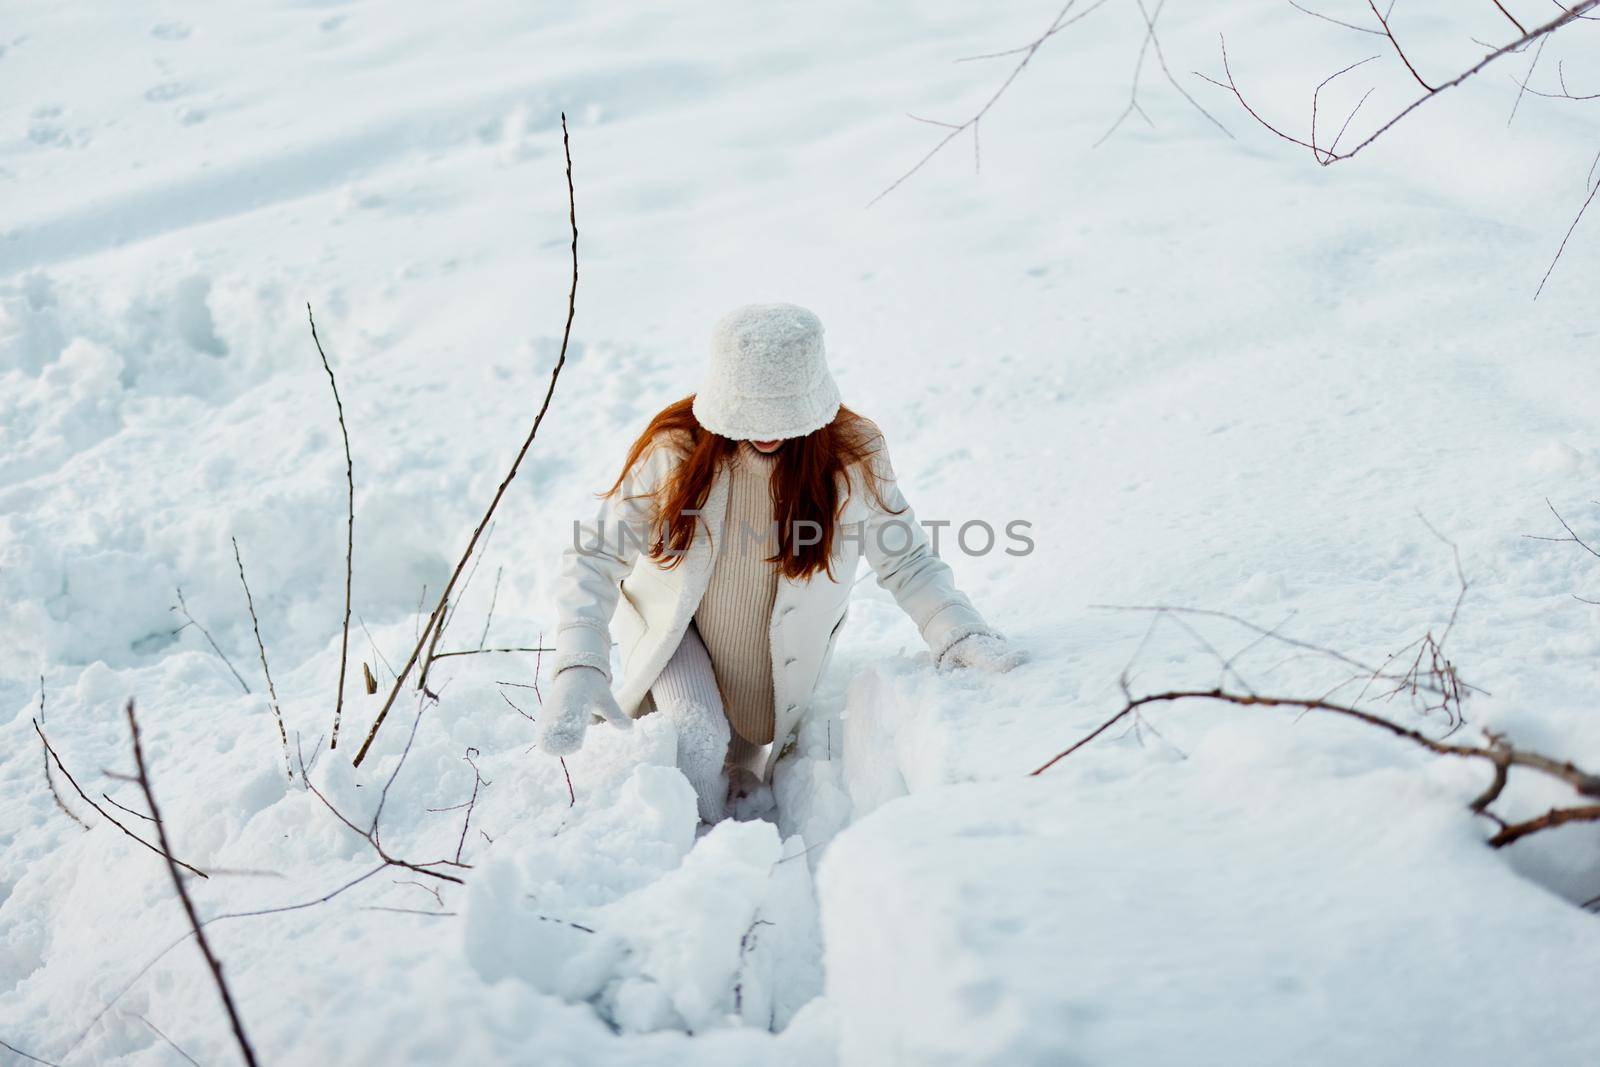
point(809, 483)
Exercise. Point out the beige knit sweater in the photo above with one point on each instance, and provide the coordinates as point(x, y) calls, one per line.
point(735, 615)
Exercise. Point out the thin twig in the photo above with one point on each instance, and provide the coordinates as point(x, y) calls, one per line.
point(477, 781)
point(1568, 15)
point(272, 692)
point(1571, 537)
point(162, 1035)
point(494, 598)
point(44, 751)
point(103, 814)
point(183, 893)
point(223, 656)
point(158, 957)
point(1565, 238)
point(555, 374)
point(372, 839)
point(1520, 27)
point(31, 1059)
point(1387, 32)
point(1059, 23)
point(1336, 22)
point(112, 801)
point(350, 533)
point(488, 651)
point(409, 911)
point(1161, 60)
point(1517, 103)
point(514, 707)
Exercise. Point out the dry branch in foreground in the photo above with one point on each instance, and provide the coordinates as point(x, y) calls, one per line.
point(212, 962)
point(429, 635)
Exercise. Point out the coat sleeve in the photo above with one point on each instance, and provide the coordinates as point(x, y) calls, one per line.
point(601, 553)
point(897, 547)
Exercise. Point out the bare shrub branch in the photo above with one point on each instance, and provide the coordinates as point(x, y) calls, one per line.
point(49, 780)
point(350, 533)
point(163, 1036)
point(1063, 19)
point(489, 651)
point(437, 617)
point(103, 813)
point(1230, 84)
point(190, 620)
point(272, 692)
point(183, 893)
point(31, 1059)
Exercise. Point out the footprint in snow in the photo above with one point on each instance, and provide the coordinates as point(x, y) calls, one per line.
point(161, 93)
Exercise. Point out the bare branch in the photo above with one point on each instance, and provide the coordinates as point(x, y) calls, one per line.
point(1522, 90)
point(1571, 537)
point(171, 1043)
point(31, 1059)
point(1520, 27)
point(1027, 51)
point(103, 814)
point(183, 893)
point(488, 651)
point(438, 612)
point(1336, 22)
point(1564, 239)
point(272, 692)
point(1567, 16)
point(1554, 817)
point(1387, 32)
point(192, 621)
point(371, 836)
point(350, 533)
point(477, 781)
point(494, 598)
point(137, 814)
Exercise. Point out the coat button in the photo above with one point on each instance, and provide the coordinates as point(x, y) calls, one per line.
point(791, 708)
point(790, 662)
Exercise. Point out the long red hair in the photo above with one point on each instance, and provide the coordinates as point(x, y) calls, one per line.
point(809, 483)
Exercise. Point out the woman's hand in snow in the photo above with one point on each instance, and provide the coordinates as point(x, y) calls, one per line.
point(577, 695)
point(987, 652)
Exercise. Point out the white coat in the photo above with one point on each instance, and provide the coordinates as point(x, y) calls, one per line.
point(610, 588)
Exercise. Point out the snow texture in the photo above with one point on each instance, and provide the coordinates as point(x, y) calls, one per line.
point(1202, 370)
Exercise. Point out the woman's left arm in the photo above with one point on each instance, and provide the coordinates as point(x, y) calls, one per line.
point(897, 547)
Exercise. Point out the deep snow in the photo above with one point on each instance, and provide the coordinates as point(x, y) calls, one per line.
point(1207, 371)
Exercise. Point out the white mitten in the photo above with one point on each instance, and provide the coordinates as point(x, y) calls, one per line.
point(988, 652)
point(576, 696)
point(703, 736)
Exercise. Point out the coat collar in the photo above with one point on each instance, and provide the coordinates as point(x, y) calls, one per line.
point(702, 553)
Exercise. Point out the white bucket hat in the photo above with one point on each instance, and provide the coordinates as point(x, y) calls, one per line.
point(769, 377)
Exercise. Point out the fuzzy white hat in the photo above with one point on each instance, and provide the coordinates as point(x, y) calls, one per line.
point(769, 377)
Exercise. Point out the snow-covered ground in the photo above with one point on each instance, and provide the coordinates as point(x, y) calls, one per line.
point(1207, 371)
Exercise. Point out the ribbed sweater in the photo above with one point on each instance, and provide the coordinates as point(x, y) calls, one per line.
point(735, 615)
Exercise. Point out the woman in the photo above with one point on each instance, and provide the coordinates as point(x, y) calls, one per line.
point(722, 561)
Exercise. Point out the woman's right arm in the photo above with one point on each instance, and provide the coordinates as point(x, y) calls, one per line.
point(601, 553)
